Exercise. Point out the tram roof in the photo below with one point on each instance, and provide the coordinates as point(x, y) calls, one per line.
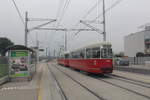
point(94, 45)
point(97, 44)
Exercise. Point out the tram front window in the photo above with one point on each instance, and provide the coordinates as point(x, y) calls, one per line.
point(106, 53)
point(96, 53)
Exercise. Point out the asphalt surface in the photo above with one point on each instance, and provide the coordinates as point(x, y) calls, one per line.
point(105, 87)
point(54, 82)
point(141, 70)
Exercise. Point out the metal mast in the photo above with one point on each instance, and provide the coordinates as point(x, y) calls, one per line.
point(65, 45)
point(26, 29)
point(104, 21)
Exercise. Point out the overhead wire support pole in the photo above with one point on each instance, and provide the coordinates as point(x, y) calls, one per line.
point(18, 11)
point(65, 45)
point(34, 28)
point(104, 21)
point(26, 29)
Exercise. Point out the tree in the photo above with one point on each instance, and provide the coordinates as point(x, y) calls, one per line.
point(120, 54)
point(140, 54)
point(4, 43)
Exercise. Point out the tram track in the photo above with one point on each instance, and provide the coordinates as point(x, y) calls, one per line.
point(137, 93)
point(79, 83)
point(122, 87)
point(129, 81)
point(63, 95)
point(121, 77)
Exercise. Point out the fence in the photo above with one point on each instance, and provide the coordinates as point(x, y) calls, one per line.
point(138, 60)
point(4, 67)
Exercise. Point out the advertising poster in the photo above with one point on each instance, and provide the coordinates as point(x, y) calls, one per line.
point(19, 64)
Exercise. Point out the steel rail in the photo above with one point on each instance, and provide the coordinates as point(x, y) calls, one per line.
point(58, 84)
point(132, 91)
point(89, 90)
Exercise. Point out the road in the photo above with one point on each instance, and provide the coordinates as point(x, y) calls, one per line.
point(55, 82)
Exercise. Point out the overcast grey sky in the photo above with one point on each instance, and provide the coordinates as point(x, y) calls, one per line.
point(122, 20)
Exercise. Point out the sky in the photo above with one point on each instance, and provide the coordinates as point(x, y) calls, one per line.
point(122, 20)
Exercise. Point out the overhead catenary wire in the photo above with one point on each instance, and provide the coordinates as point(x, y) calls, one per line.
point(63, 12)
point(60, 14)
point(57, 17)
point(108, 9)
point(18, 11)
point(31, 39)
point(89, 11)
point(20, 16)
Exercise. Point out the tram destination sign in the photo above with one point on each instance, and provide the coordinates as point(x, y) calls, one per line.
point(19, 53)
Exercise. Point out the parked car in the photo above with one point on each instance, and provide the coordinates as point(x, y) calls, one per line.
point(122, 62)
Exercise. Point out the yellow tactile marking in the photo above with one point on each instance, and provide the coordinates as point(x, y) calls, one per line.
point(40, 88)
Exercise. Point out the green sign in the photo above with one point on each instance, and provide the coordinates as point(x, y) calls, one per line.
point(19, 53)
point(21, 74)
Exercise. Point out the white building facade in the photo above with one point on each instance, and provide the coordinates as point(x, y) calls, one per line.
point(137, 42)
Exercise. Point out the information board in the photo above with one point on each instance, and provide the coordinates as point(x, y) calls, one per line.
point(19, 63)
point(19, 53)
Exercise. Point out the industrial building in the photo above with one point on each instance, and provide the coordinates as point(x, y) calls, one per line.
point(138, 42)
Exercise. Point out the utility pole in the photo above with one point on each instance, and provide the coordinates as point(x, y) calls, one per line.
point(54, 53)
point(37, 44)
point(65, 45)
point(104, 21)
point(46, 51)
point(26, 29)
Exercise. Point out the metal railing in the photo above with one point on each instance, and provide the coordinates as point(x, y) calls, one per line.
point(4, 71)
point(138, 60)
point(4, 67)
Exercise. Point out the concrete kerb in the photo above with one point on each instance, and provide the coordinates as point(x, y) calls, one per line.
point(3, 80)
point(44, 88)
point(48, 89)
point(134, 69)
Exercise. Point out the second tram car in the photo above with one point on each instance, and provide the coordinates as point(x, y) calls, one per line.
point(96, 58)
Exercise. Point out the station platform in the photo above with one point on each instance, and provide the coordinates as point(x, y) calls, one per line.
point(140, 69)
point(21, 88)
point(39, 88)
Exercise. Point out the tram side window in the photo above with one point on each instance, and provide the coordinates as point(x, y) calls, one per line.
point(62, 56)
point(96, 53)
point(110, 53)
point(88, 53)
point(82, 54)
point(66, 56)
point(75, 55)
point(104, 53)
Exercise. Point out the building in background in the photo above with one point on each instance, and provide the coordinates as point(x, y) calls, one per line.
point(137, 43)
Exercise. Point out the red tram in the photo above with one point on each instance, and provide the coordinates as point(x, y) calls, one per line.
point(96, 58)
